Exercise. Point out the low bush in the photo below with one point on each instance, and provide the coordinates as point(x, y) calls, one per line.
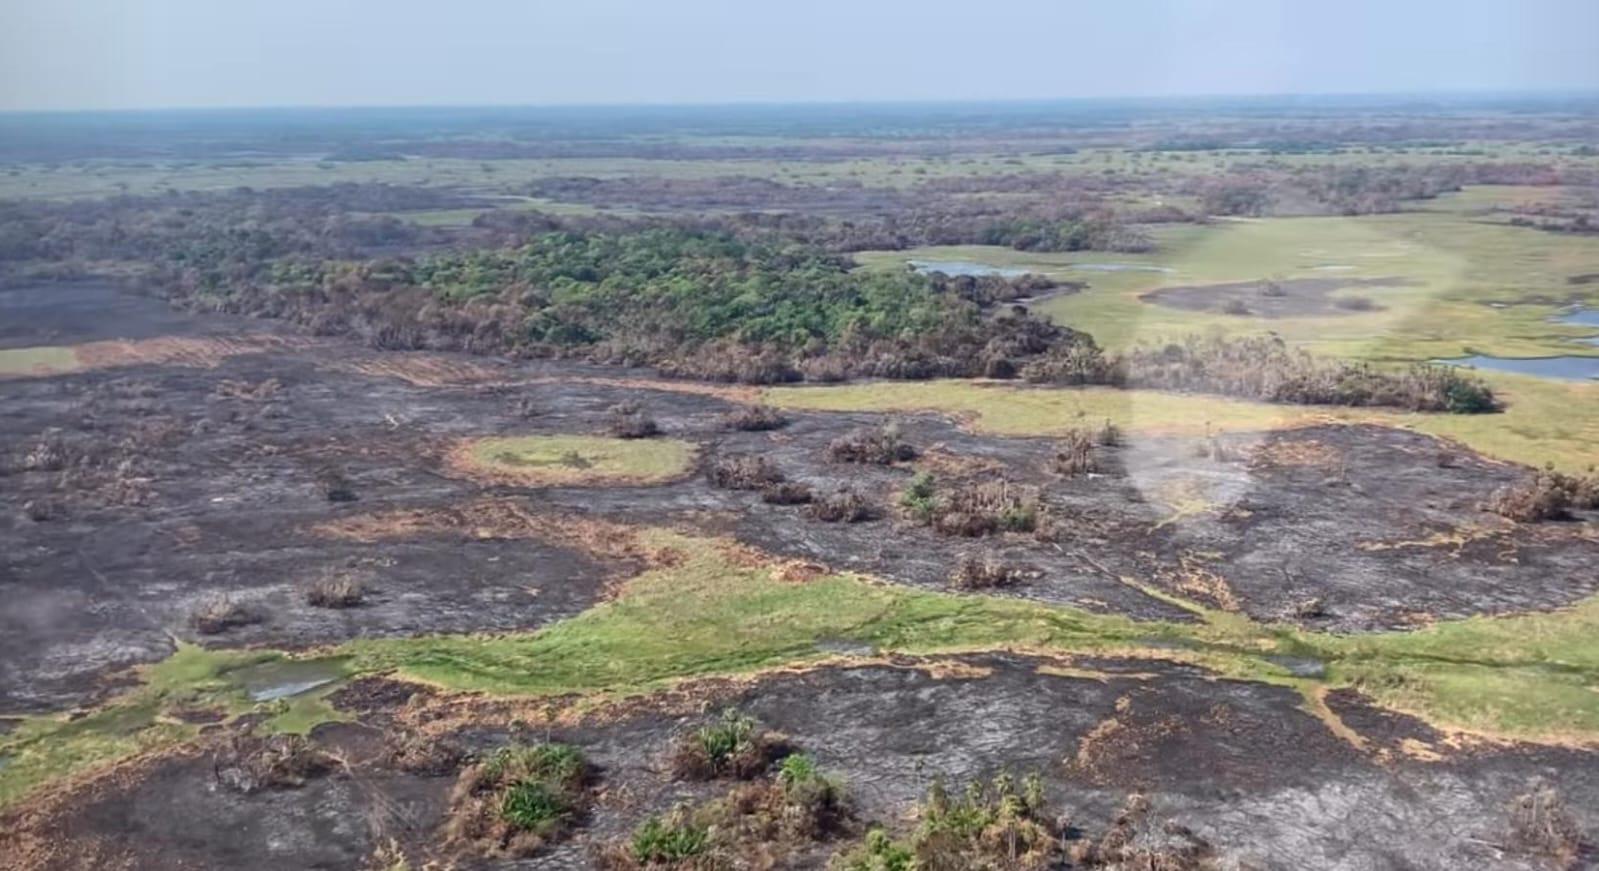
point(971, 509)
point(1074, 454)
point(334, 589)
point(1355, 303)
point(842, 506)
point(1546, 495)
point(669, 841)
point(219, 612)
point(746, 828)
point(1109, 435)
point(628, 421)
point(1265, 368)
point(248, 764)
point(982, 572)
point(335, 486)
point(1001, 824)
point(882, 446)
point(754, 418)
point(1541, 825)
point(919, 498)
point(787, 493)
point(743, 473)
point(1129, 843)
point(734, 746)
point(518, 799)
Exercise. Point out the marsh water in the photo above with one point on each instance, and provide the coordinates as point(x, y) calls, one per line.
point(1569, 368)
point(964, 267)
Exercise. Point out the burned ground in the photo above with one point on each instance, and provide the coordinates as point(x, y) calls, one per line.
point(1243, 765)
point(167, 484)
point(1284, 298)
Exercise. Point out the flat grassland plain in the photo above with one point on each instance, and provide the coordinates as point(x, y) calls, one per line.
point(458, 555)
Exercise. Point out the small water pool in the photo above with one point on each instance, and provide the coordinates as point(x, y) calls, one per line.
point(1569, 368)
point(1119, 267)
point(286, 678)
point(964, 267)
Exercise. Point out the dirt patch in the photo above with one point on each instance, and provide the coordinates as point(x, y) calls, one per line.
point(1281, 298)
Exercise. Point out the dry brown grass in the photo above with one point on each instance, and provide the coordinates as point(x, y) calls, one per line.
point(985, 571)
point(220, 612)
point(334, 588)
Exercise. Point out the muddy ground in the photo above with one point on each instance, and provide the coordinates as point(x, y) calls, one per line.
point(135, 490)
point(1285, 298)
point(1240, 764)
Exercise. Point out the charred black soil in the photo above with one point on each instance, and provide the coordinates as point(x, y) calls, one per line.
point(1285, 298)
point(140, 490)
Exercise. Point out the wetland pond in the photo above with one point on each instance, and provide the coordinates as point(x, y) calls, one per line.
point(1570, 368)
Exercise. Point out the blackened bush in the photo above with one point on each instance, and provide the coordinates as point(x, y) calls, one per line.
point(1541, 825)
point(628, 421)
point(335, 486)
point(1074, 454)
point(841, 506)
point(334, 589)
point(981, 572)
point(882, 446)
point(219, 613)
point(754, 418)
point(787, 493)
point(742, 473)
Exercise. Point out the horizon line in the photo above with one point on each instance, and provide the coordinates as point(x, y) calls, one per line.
point(1454, 93)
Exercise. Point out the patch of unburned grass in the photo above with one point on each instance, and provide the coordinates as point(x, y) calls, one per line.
point(1015, 410)
point(708, 608)
point(49, 360)
point(575, 460)
point(1543, 422)
point(47, 749)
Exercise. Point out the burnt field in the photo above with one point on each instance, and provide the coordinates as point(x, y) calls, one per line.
point(901, 598)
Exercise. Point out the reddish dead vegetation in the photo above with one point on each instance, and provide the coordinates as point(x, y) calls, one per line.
point(182, 351)
point(496, 518)
point(1547, 495)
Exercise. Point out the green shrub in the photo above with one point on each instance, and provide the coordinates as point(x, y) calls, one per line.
point(669, 841)
point(918, 499)
point(531, 805)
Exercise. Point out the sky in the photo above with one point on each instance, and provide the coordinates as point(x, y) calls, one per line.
point(123, 54)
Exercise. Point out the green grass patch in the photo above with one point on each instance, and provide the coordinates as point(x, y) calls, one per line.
point(1544, 421)
point(583, 459)
point(709, 612)
point(48, 360)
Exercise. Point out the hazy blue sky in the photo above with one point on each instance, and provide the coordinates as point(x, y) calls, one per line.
point(160, 53)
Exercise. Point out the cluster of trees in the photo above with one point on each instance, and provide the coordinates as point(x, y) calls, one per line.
point(705, 303)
